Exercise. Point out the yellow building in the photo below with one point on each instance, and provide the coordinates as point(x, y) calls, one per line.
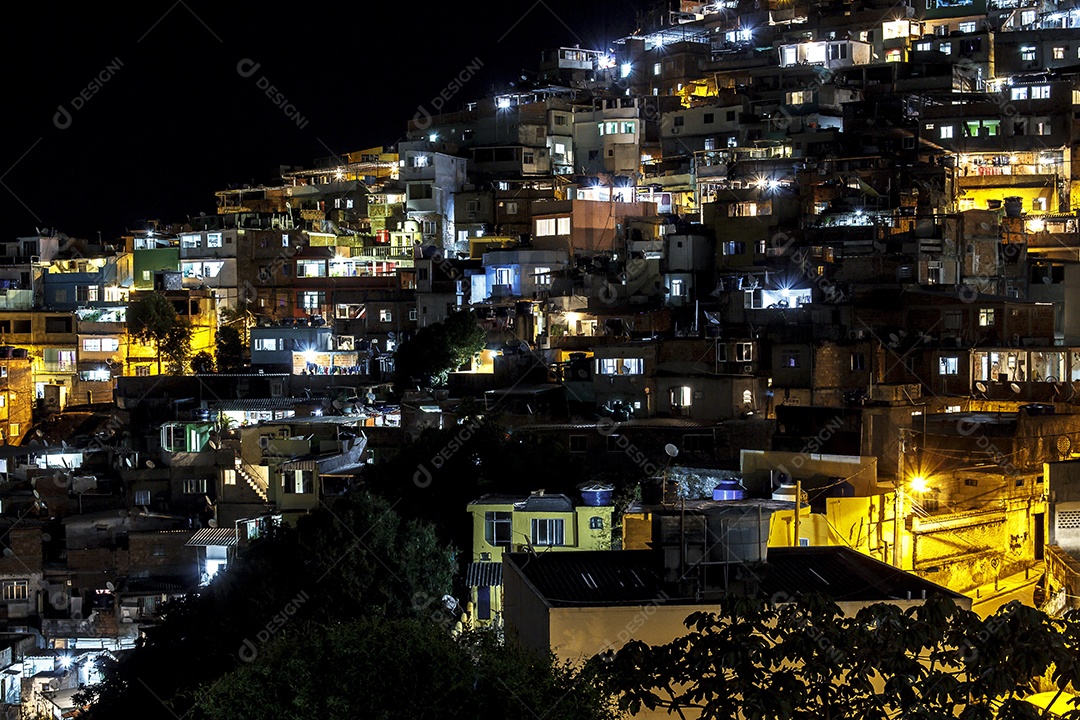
point(539, 523)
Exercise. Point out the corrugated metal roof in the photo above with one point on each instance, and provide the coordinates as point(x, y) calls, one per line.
point(213, 536)
point(253, 405)
point(484, 574)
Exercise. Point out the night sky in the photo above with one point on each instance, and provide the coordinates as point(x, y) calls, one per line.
point(117, 116)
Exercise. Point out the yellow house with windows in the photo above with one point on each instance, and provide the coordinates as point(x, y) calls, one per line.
point(538, 523)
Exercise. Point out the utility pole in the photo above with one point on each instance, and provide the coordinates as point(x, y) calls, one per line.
point(898, 510)
point(798, 506)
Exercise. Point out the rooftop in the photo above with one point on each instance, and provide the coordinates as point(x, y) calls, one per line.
point(629, 577)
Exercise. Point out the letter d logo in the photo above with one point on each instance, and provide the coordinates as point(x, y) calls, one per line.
point(422, 477)
point(62, 118)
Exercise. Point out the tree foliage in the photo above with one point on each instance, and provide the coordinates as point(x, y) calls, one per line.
point(203, 362)
point(400, 669)
point(229, 347)
point(152, 318)
point(358, 559)
point(437, 350)
point(806, 660)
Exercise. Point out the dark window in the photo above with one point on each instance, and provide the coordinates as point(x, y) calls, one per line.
point(708, 119)
point(483, 603)
point(596, 523)
point(579, 443)
point(497, 528)
point(730, 116)
point(56, 325)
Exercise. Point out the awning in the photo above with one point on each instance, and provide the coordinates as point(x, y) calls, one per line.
point(484, 574)
point(213, 536)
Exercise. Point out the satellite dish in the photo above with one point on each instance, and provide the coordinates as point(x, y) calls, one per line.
point(39, 433)
point(671, 450)
point(1015, 388)
point(212, 522)
point(8, 552)
point(150, 464)
point(980, 387)
point(110, 586)
point(894, 338)
point(37, 494)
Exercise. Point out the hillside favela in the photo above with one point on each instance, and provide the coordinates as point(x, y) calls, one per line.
point(728, 371)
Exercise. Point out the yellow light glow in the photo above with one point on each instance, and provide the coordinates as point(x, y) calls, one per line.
point(918, 484)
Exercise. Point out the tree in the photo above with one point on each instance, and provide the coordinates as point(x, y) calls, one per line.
point(356, 560)
point(229, 349)
point(203, 362)
point(152, 318)
point(398, 669)
point(440, 348)
point(806, 660)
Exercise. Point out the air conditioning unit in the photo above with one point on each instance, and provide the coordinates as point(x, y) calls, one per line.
point(675, 130)
point(856, 334)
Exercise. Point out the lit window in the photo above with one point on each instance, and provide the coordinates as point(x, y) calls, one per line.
point(194, 486)
point(967, 27)
point(596, 523)
point(858, 362)
point(1027, 17)
point(91, 345)
point(945, 48)
point(16, 590)
point(1059, 53)
point(142, 498)
point(1027, 53)
point(213, 240)
point(562, 226)
point(385, 316)
point(948, 366)
point(545, 227)
point(894, 55)
point(421, 161)
point(923, 46)
point(266, 344)
point(1019, 93)
point(946, 132)
point(656, 69)
point(1040, 92)
point(14, 430)
point(986, 317)
point(789, 359)
point(547, 531)
point(542, 276)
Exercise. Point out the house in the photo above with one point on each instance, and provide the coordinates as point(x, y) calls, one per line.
point(537, 523)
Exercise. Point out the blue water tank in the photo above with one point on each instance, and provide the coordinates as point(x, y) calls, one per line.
point(729, 489)
point(596, 495)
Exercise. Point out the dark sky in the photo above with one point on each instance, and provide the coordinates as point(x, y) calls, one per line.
point(172, 119)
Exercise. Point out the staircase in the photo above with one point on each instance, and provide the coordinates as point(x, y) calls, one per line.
point(257, 484)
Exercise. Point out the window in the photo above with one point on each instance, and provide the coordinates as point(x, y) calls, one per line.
point(413, 314)
point(298, 482)
point(945, 48)
point(311, 301)
point(1027, 53)
point(498, 528)
point(195, 486)
point(656, 69)
point(528, 158)
point(946, 132)
point(1019, 93)
point(1040, 92)
point(596, 523)
point(310, 268)
point(986, 317)
point(421, 161)
point(1059, 53)
point(91, 345)
point(545, 227)
point(678, 288)
point(789, 358)
point(60, 296)
point(142, 498)
point(86, 293)
point(16, 590)
point(682, 397)
point(562, 226)
point(547, 531)
point(386, 316)
point(707, 118)
point(142, 371)
point(511, 208)
point(923, 46)
point(284, 241)
point(213, 240)
point(190, 241)
point(967, 27)
point(266, 344)
point(744, 352)
point(858, 362)
point(542, 276)
point(1027, 17)
point(620, 366)
point(948, 366)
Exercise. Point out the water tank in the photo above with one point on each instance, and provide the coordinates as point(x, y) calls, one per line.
point(785, 492)
point(737, 533)
point(729, 489)
point(596, 495)
point(1014, 206)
